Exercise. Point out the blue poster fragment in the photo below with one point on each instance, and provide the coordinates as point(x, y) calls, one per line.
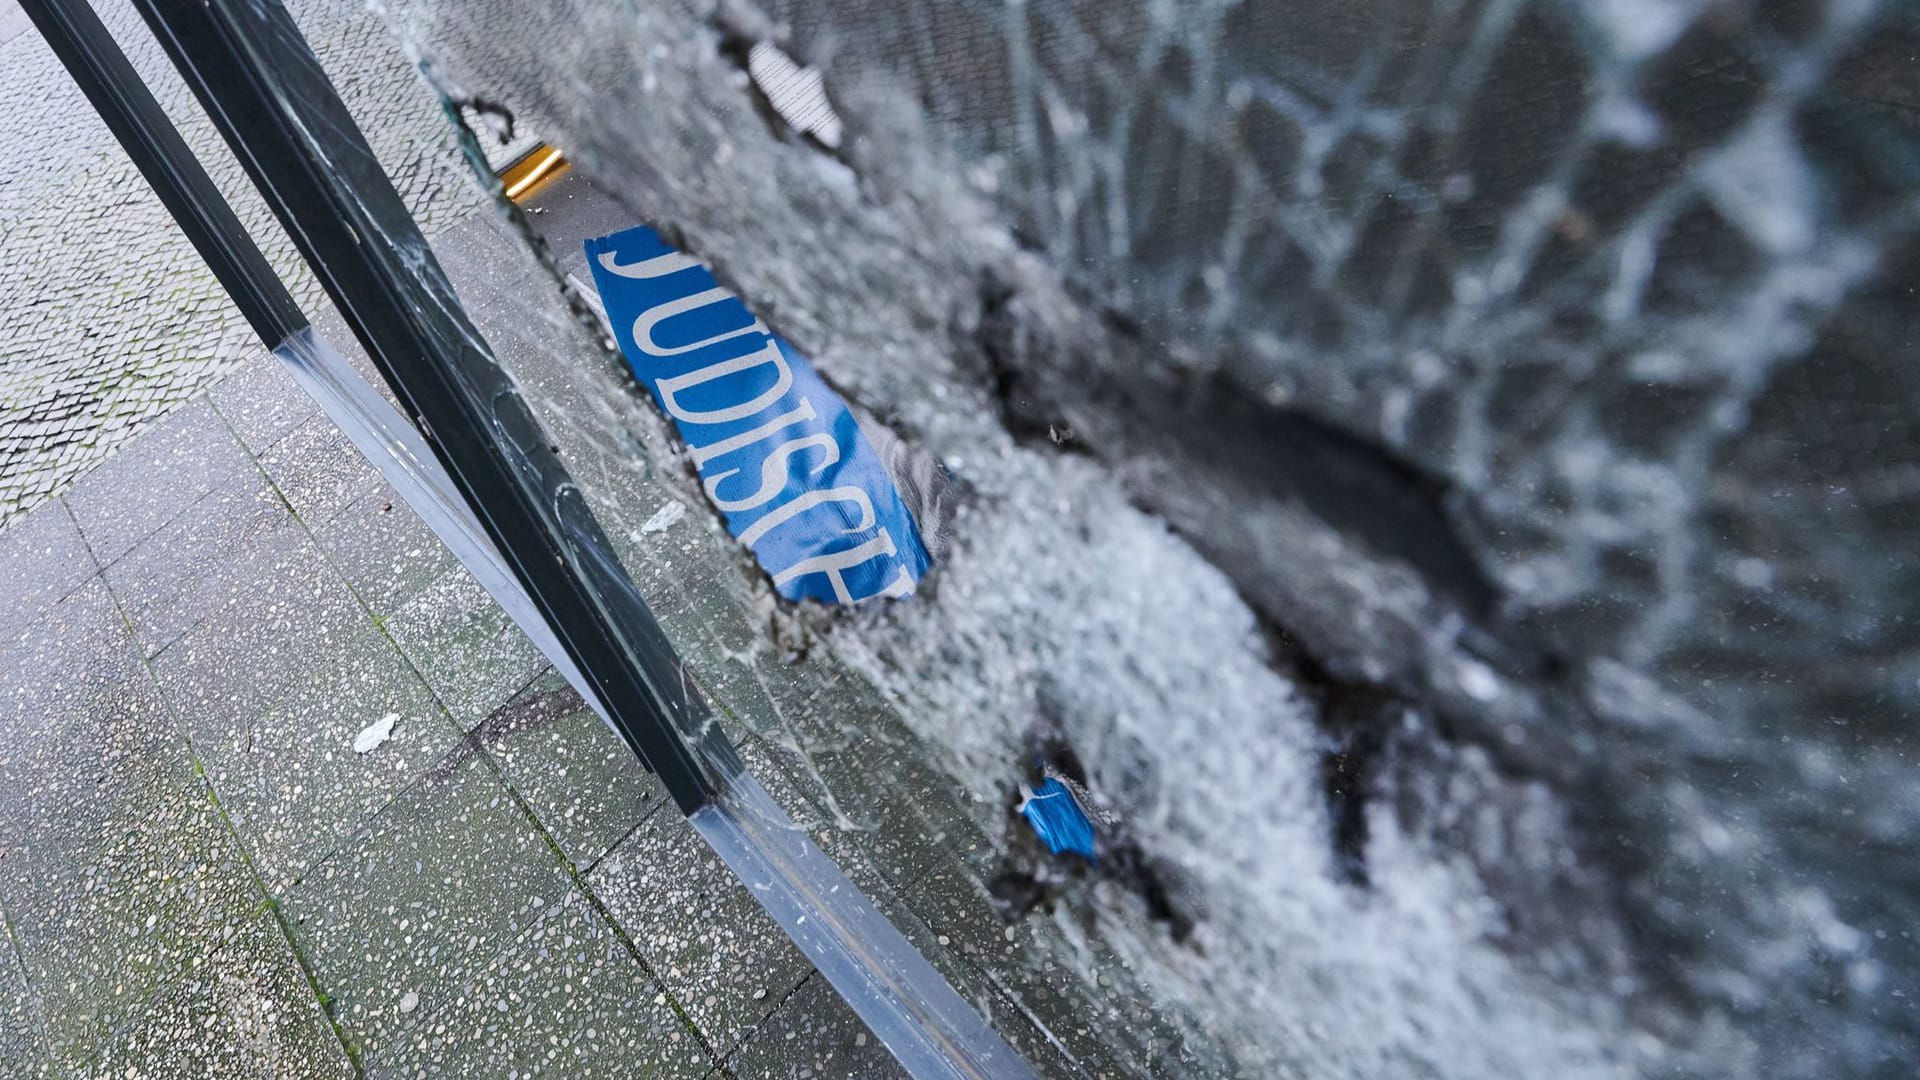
point(1057, 818)
point(778, 452)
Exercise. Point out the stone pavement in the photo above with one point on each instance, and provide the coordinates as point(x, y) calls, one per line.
point(108, 319)
point(201, 874)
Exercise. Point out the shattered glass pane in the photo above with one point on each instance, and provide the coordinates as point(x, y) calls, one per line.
point(1435, 481)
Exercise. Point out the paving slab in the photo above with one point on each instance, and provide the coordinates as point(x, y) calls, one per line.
point(243, 1011)
point(814, 1035)
point(846, 839)
point(275, 684)
point(580, 779)
point(317, 470)
point(407, 914)
point(123, 872)
point(567, 999)
point(114, 320)
point(1040, 1048)
point(300, 777)
point(65, 781)
point(825, 731)
point(43, 557)
point(465, 646)
point(942, 913)
point(880, 797)
point(57, 666)
point(651, 893)
point(698, 928)
point(295, 632)
point(184, 456)
point(220, 549)
point(21, 1032)
point(439, 921)
point(384, 549)
point(261, 402)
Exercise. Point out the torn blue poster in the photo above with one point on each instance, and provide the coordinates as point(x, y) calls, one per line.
point(778, 452)
point(1057, 817)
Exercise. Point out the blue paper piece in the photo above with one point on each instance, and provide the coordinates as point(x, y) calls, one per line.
point(1058, 819)
point(778, 452)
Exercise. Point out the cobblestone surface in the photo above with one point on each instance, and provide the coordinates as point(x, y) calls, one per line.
point(108, 319)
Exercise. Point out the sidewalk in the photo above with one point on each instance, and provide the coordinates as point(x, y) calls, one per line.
point(108, 319)
point(200, 873)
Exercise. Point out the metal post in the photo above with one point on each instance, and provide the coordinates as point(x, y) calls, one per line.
point(265, 91)
point(386, 438)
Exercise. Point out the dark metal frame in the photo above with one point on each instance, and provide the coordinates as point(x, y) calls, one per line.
point(256, 77)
